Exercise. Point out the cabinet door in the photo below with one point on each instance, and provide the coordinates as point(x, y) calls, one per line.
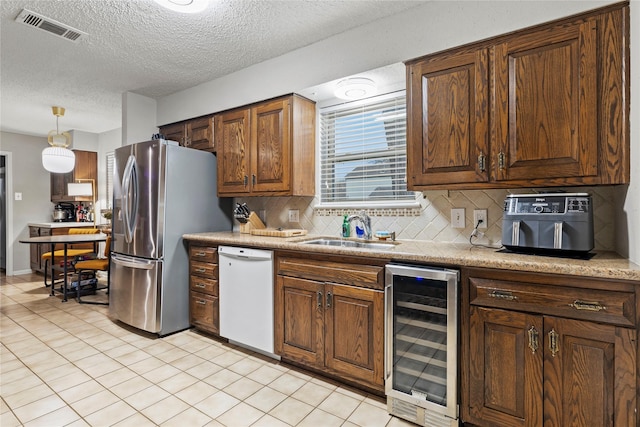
point(505, 368)
point(232, 134)
point(546, 104)
point(299, 323)
point(354, 332)
point(271, 147)
point(589, 374)
point(204, 311)
point(447, 135)
point(200, 134)
point(174, 132)
point(59, 183)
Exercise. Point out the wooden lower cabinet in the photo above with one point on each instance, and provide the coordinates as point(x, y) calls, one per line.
point(531, 364)
point(203, 288)
point(333, 327)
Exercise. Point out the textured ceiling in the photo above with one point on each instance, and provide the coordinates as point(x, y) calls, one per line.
point(137, 46)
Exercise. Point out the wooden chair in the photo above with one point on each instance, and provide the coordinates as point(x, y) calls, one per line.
point(71, 253)
point(92, 266)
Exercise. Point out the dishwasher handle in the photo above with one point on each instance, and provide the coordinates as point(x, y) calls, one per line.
point(247, 254)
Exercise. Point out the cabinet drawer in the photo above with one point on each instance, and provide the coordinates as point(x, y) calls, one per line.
point(367, 276)
point(204, 285)
point(203, 254)
point(615, 307)
point(203, 269)
point(204, 310)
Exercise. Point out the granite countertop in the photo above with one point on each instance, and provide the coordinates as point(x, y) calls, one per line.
point(61, 224)
point(607, 265)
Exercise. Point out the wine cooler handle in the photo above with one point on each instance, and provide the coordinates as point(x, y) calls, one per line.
point(388, 312)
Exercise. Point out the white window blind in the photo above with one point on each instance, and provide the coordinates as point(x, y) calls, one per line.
point(110, 162)
point(363, 152)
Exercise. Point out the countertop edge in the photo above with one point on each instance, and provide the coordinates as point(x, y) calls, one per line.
point(604, 265)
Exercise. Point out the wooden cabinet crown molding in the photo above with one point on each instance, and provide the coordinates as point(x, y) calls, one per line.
point(541, 107)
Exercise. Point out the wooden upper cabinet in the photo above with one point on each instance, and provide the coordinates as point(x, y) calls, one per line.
point(232, 133)
point(86, 167)
point(267, 149)
point(448, 119)
point(194, 133)
point(545, 106)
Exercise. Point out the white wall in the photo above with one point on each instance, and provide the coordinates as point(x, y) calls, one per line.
point(108, 142)
point(425, 29)
point(32, 180)
point(85, 141)
point(138, 118)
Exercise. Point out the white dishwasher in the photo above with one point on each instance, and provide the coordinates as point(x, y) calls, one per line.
point(246, 297)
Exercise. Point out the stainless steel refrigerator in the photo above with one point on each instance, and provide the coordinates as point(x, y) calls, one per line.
point(161, 191)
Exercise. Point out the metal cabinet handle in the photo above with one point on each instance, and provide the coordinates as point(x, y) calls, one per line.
point(502, 295)
point(587, 305)
point(253, 179)
point(501, 161)
point(319, 299)
point(246, 180)
point(329, 299)
point(200, 270)
point(533, 339)
point(201, 254)
point(481, 162)
point(203, 302)
point(553, 342)
point(201, 285)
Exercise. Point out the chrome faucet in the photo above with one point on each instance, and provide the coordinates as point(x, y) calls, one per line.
point(365, 220)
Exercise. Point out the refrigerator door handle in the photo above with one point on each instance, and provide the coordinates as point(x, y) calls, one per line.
point(130, 187)
point(131, 262)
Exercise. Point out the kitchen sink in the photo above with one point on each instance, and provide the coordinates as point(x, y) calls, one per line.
point(332, 241)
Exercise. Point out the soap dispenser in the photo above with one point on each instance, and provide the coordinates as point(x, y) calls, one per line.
point(346, 227)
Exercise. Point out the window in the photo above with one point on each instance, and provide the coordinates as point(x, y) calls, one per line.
point(109, 180)
point(363, 153)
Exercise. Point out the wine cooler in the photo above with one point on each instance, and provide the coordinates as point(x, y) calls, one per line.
point(421, 337)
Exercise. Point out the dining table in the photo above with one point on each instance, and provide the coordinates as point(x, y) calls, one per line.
point(65, 240)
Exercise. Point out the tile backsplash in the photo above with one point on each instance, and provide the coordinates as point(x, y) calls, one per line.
point(431, 221)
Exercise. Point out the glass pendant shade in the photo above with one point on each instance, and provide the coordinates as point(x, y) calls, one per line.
point(58, 159)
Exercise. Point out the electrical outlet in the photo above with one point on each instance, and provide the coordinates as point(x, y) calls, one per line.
point(457, 218)
point(294, 215)
point(480, 214)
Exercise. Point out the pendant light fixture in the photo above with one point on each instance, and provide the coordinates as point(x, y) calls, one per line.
point(57, 158)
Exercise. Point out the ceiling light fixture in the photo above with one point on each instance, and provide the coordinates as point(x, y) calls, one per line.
point(57, 158)
point(355, 88)
point(184, 6)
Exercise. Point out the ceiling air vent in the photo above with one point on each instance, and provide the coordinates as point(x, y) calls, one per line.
point(49, 25)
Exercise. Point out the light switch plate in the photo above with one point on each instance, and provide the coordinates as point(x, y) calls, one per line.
point(457, 218)
point(294, 215)
point(17, 196)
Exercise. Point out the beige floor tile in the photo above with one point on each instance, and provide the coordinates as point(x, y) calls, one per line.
point(38, 408)
point(27, 396)
point(351, 392)
point(287, 383)
point(245, 366)
point(158, 347)
point(187, 362)
point(243, 388)
point(146, 397)
point(369, 415)
point(318, 417)
point(265, 374)
point(161, 373)
point(130, 386)
point(191, 417)
point(196, 392)
point(177, 382)
point(98, 365)
point(217, 404)
point(270, 421)
point(172, 355)
point(116, 377)
point(133, 357)
point(210, 352)
point(326, 383)
point(10, 366)
point(227, 359)
point(136, 420)
point(3, 406)
point(265, 399)
point(81, 391)
point(204, 369)
point(311, 393)
point(165, 409)
point(19, 374)
point(241, 415)
point(111, 414)
point(94, 402)
point(87, 351)
point(146, 365)
point(67, 381)
point(9, 420)
point(222, 378)
point(291, 411)
point(399, 422)
point(60, 417)
point(20, 385)
point(339, 405)
point(120, 350)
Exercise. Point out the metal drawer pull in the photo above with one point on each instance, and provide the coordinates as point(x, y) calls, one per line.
point(328, 299)
point(319, 299)
point(203, 302)
point(503, 295)
point(481, 161)
point(201, 270)
point(201, 254)
point(201, 285)
point(553, 342)
point(533, 339)
point(587, 305)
